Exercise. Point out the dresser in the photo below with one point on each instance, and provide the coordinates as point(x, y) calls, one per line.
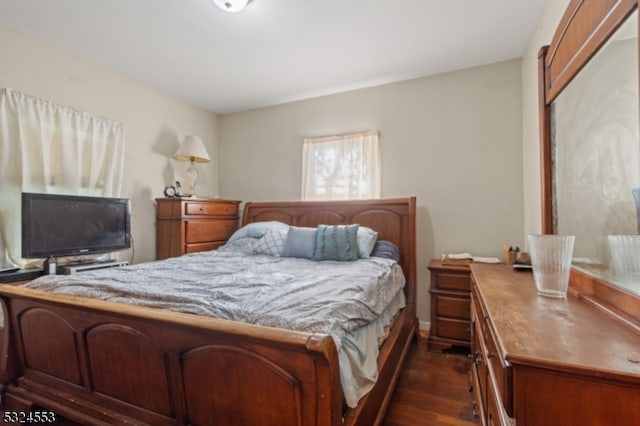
point(188, 225)
point(450, 306)
point(540, 361)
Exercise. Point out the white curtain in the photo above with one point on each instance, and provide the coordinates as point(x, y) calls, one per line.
point(49, 148)
point(344, 167)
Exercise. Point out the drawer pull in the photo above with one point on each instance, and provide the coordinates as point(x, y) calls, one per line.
point(490, 354)
point(478, 358)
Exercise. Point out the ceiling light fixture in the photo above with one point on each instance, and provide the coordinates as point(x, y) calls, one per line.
point(231, 5)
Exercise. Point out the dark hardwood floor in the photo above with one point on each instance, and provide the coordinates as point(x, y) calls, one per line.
point(433, 390)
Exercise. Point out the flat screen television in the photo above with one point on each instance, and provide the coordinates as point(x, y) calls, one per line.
point(71, 225)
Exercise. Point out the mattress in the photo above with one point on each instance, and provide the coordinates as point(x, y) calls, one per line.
point(351, 301)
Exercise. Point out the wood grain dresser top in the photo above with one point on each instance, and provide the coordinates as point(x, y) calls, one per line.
point(565, 334)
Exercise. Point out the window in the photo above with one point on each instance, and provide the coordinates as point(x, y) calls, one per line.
point(45, 147)
point(345, 167)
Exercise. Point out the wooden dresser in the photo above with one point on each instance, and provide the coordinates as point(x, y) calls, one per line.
point(187, 225)
point(450, 306)
point(544, 361)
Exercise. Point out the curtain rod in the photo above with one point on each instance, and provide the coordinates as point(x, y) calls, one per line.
point(341, 136)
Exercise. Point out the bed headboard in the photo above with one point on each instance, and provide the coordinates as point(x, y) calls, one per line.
point(393, 218)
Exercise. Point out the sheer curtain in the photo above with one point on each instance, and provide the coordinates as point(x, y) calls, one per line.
point(49, 148)
point(344, 167)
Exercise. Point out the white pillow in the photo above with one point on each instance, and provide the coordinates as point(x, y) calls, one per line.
point(367, 238)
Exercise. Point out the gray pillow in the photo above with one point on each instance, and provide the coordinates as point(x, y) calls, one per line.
point(301, 242)
point(386, 249)
point(336, 242)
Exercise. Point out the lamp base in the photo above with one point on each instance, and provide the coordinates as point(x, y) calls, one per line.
point(192, 179)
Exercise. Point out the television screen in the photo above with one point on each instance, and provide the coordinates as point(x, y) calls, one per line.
point(68, 225)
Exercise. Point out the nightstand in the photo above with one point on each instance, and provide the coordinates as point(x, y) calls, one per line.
point(450, 306)
point(188, 225)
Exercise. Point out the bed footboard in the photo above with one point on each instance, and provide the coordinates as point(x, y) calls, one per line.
point(98, 362)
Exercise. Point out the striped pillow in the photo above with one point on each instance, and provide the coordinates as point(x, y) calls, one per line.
point(336, 242)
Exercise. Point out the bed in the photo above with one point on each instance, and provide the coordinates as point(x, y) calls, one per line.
point(100, 362)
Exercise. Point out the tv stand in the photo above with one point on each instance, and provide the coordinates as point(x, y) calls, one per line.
point(83, 267)
point(20, 275)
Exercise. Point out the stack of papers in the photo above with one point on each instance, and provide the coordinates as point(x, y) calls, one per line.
point(456, 258)
point(465, 259)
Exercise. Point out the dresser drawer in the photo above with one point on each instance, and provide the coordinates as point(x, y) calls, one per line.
point(188, 225)
point(499, 369)
point(477, 404)
point(200, 231)
point(496, 415)
point(478, 358)
point(193, 248)
point(480, 312)
point(452, 307)
point(451, 281)
point(210, 209)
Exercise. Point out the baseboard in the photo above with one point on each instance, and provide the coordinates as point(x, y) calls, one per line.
point(425, 326)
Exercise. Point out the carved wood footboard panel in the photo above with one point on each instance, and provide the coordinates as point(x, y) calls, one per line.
point(99, 361)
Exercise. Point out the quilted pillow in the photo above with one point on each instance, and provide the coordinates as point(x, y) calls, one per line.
point(271, 243)
point(300, 242)
point(336, 242)
point(258, 229)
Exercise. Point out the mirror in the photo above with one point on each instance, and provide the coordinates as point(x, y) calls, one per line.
point(595, 150)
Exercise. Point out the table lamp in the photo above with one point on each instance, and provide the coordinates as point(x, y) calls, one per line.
point(192, 149)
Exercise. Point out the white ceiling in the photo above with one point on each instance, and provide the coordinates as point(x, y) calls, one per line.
point(277, 51)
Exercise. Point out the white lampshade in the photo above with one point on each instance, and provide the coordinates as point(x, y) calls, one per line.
point(192, 149)
point(231, 5)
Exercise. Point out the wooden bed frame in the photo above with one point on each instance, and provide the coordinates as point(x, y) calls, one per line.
point(98, 362)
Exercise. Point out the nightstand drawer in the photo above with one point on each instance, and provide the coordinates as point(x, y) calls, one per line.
point(452, 307)
point(210, 209)
point(454, 329)
point(200, 231)
point(451, 281)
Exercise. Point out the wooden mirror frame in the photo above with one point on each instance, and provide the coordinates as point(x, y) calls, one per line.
point(584, 28)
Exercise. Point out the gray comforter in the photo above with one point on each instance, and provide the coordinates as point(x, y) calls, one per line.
point(328, 297)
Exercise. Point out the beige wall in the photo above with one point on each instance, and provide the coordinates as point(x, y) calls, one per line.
point(465, 143)
point(547, 24)
point(154, 122)
point(453, 140)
